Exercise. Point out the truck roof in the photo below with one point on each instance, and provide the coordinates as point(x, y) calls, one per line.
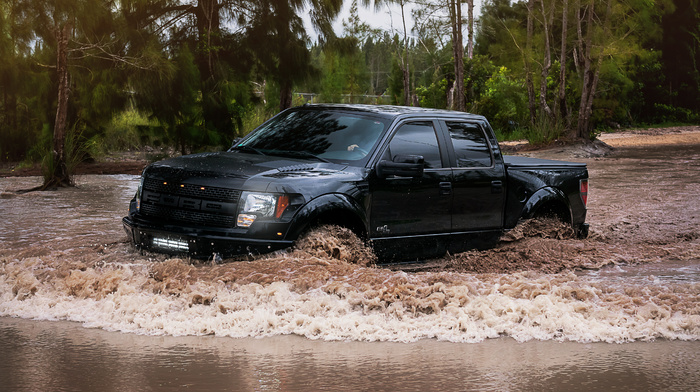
point(395, 111)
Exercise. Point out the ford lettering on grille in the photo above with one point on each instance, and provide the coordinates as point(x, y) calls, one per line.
point(176, 202)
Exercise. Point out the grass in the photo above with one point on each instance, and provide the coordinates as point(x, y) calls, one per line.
point(543, 132)
point(254, 118)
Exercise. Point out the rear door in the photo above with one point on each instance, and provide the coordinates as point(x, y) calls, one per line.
point(478, 178)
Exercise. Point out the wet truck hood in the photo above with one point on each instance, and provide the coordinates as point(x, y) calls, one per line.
point(257, 173)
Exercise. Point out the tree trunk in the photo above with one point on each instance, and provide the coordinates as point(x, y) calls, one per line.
point(214, 108)
point(404, 60)
point(470, 31)
point(60, 175)
point(583, 118)
point(458, 53)
point(528, 67)
point(209, 29)
point(10, 108)
point(578, 50)
point(563, 110)
point(590, 75)
point(546, 63)
point(285, 95)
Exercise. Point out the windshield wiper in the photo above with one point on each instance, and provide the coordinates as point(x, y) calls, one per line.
point(304, 154)
point(247, 149)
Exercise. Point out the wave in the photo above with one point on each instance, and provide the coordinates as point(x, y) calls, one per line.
point(318, 297)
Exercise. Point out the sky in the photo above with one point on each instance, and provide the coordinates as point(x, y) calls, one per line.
point(386, 18)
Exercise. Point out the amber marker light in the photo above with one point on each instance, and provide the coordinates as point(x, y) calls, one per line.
point(245, 220)
point(282, 204)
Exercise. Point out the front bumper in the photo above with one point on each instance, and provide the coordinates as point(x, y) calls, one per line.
point(196, 244)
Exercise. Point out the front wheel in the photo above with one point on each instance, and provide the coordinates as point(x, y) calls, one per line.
point(335, 242)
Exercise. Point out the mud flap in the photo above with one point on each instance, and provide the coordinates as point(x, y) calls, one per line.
point(582, 231)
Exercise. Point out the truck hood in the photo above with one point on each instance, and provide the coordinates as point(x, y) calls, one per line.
point(244, 171)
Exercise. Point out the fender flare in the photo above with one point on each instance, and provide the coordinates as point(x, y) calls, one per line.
point(542, 197)
point(339, 203)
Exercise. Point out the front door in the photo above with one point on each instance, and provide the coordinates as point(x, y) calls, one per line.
point(411, 216)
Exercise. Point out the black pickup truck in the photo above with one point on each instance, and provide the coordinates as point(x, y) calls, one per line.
point(413, 182)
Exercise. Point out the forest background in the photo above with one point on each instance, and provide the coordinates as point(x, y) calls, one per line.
point(82, 78)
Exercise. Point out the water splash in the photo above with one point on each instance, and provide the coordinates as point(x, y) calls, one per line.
point(329, 298)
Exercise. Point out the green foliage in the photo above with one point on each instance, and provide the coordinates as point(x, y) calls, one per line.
point(433, 96)
point(503, 101)
point(377, 51)
point(345, 75)
point(396, 82)
point(673, 114)
point(544, 130)
point(477, 73)
point(333, 82)
point(255, 116)
point(501, 26)
point(77, 149)
point(610, 109)
point(681, 54)
point(128, 130)
point(160, 74)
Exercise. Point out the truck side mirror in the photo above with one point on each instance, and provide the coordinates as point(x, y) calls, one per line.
point(234, 142)
point(402, 166)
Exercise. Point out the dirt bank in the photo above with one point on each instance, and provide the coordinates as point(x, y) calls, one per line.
point(607, 142)
point(116, 163)
point(652, 136)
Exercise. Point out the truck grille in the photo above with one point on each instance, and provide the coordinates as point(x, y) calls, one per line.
point(190, 190)
point(174, 202)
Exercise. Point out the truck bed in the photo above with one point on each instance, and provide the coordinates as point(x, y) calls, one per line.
point(518, 162)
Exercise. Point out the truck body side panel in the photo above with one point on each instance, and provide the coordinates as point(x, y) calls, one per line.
point(534, 183)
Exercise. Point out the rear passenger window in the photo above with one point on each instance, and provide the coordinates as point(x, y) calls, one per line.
point(470, 145)
point(417, 138)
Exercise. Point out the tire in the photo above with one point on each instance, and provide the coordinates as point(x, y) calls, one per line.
point(337, 243)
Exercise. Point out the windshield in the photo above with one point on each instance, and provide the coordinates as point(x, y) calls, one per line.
point(323, 134)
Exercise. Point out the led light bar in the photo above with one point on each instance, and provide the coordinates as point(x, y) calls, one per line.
point(171, 244)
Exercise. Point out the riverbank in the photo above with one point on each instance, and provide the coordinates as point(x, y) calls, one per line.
point(607, 142)
point(652, 136)
point(126, 162)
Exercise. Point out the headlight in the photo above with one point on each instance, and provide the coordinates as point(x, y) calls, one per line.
point(138, 194)
point(255, 205)
point(261, 203)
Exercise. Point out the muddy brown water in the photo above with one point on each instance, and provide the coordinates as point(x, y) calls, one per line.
point(81, 310)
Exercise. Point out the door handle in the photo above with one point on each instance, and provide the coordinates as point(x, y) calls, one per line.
point(445, 188)
point(496, 186)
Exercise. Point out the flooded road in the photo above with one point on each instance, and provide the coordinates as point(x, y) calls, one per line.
point(541, 311)
point(61, 356)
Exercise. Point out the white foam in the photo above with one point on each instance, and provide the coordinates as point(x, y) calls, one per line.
point(554, 307)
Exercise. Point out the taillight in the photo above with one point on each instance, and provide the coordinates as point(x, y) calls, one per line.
point(583, 191)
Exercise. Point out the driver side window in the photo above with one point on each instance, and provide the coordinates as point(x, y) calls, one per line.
point(417, 138)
